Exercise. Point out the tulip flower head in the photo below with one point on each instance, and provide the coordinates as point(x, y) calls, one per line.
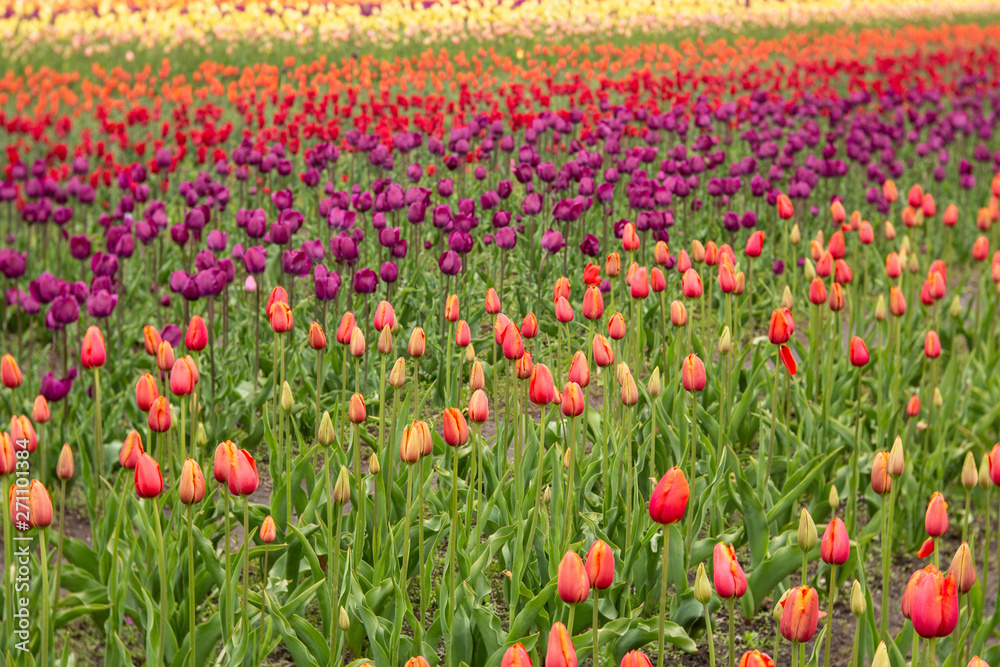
point(516, 656)
point(268, 530)
point(196, 337)
point(963, 569)
point(693, 376)
point(858, 352)
point(243, 479)
point(835, 547)
point(573, 584)
point(560, 652)
point(10, 372)
point(192, 484)
point(600, 565)
point(936, 517)
point(930, 601)
point(317, 337)
point(159, 415)
point(800, 614)
point(668, 502)
point(148, 478)
point(131, 451)
point(541, 389)
point(635, 659)
point(756, 659)
point(37, 514)
point(64, 467)
point(727, 575)
point(92, 351)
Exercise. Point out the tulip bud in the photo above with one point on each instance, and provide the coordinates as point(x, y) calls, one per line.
point(834, 498)
point(936, 517)
point(800, 615)
point(756, 659)
point(809, 270)
point(342, 488)
point(629, 393)
point(131, 450)
point(92, 350)
point(702, 588)
point(64, 468)
point(808, 536)
point(344, 621)
point(560, 652)
point(327, 434)
point(881, 311)
point(897, 463)
point(547, 495)
point(693, 377)
point(970, 474)
point(881, 658)
point(374, 467)
point(985, 481)
point(955, 308)
point(668, 502)
point(451, 312)
point(678, 314)
point(357, 346)
point(159, 415)
point(165, 356)
point(477, 378)
point(192, 484)
point(858, 603)
point(39, 507)
point(243, 477)
point(397, 376)
point(454, 428)
point(936, 398)
point(317, 338)
point(470, 353)
point(148, 478)
point(280, 316)
point(786, 299)
point(725, 341)
point(881, 479)
point(287, 402)
point(655, 385)
point(385, 340)
point(600, 565)
point(795, 236)
point(779, 606)
point(835, 547)
point(963, 568)
point(356, 410)
point(730, 581)
point(573, 582)
point(12, 376)
point(268, 530)
point(417, 344)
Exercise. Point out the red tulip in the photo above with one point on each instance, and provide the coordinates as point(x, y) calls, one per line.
point(661, 253)
point(243, 479)
point(456, 431)
point(994, 463)
point(836, 298)
point(8, 455)
point(346, 328)
point(788, 359)
point(40, 410)
point(600, 565)
point(22, 433)
point(572, 403)
point(384, 316)
point(756, 659)
point(564, 311)
point(730, 582)
point(604, 355)
point(524, 367)
point(131, 451)
point(932, 345)
point(560, 652)
point(668, 502)
point(145, 392)
point(897, 303)
point(10, 372)
point(529, 326)
point(151, 340)
point(159, 415)
point(635, 659)
point(842, 272)
point(165, 356)
point(573, 584)
point(517, 656)
point(639, 288)
point(479, 407)
point(693, 376)
point(835, 547)
point(616, 327)
point(936, 517)
point(561, 288)
point(933, 603)
point(281, 318)
point(196, 338)
point(755, 244)
point(182, 377)
point(148, 478)
point(223, 461)
point(356, 411)
point(926, 549)
point(463, 334)
point(691, 284)
point(317, 337)
point(541, 390)
point(630, 239)
point(785, 210)
point(913, 406)
point(39, 507)
point(858, 352)
point(800, 614)
point(92, 351)
point(657, 280)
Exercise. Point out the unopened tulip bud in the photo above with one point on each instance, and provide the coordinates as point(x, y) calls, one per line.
point(834, 498)
point(779, 606)
point(470, 353)
point(786, 299)
point(858, 603)
point(936, 398)
point(725, 341)
point(970, 474)
point(702, 587)
point(795, 236)
point(417, 344)
point(809, 270)
point(547, 495)
point(385, 341)
point(985, 481)
point(357, 347)
point(200, 436)
point(630, 393)
point(317, 338)
point(881, 658)
point(397, 376)
point(897, 461)
point(655, 385)
point(342, 489)
point(192, 484)
point(326, 434)
point(287, 402)
point(344, 621)
point(477, 378)
point(881, 479)
point(374, 467)
point(268, 531)
point(64, 468)
point(936, 517)
point(356, 410)
point(145, 392)
point(955, 308)
point(963, 568)
point(881, 311)
point(977, 662)
point(678, 314)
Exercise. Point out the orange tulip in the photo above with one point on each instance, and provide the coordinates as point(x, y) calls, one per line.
point(800, 614)
point(10, 372)
point(40, 410)
point(541, 390)
point(92, 350)
point(243, 479)
point(463, 335)
point(630, 239)
point(517, 656)
point(317, 337)
point(165, 356)
point(39, 507)
point(593, 303)
point(881, 479)
point(196, 338)
point(159, 415)
point(268, 530)
point(785, 210)
point(346, 329)
point(451, 308)
point(479, 407)
point(456, 431)
point(64, 467)
point(600, 565)
point(192, 484)
point(691, 284)
point(223, 461)
point(635, 659)
point(561, 652)
point(604, 355)
point(678, 314)
point(693, 376)
point(780, 329)
point(573, 584)
point(281, 318)
point(613, 265)
point(936, 517)
point(572, 403)
point(564, 311)
point(131, 451)
point(145, 392)
point(756, 659)
point(835, 547)
point(182, 377)
point(151, 340)
point(639, 289)
point(529, 326)
point(579, 369)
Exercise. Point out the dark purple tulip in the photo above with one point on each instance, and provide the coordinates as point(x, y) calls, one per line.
point(450, 263)
point(399, 249)
point(44, 288)
point(79, 247)
point(209, 282)
point(778, 267)
point(314, 250)
point(178, 281)
point(280, 233)
point(102, 264)
point(255, 222)
point(196, 219)
point(172, 334)
point(125, 246)
point(344, 248)
point(56, 390)
point(461, 242)
point(12, 263)
point(388, 236)
point(282, 199)
point(506, 238)
point(552, 241)
point(326, 283)
point(295, 262)
point(179, 234)
point(205, 260)
point(532, 204)
point(389, 272)
point(216, 240)
point(64, 310)
point(590, 247)
point(292, 218)
point(365, 281)
point(445, 187)
point(254, 259)
point(101, 304)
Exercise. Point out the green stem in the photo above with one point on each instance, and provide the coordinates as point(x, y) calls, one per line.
point(359, 490)
point(732, 632)
point(567, 522)
point(454, 536)
point(763, 479)
point(594, 626)
point(164, 591)
point(406, 550)
point(44, 561)
point(708, 638)
point(59, 550)
point(246, 554)
point(829, 613)
point(192, 609)
point(857, 642)
point(319, 387)
point(663, 595)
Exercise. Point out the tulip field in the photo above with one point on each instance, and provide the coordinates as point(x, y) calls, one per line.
point(500, 334)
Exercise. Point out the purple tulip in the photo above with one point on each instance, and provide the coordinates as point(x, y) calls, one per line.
point(255, 259)
point(325, 283)
point(101, 304)
point(216, 240)
point(389, 272)
point(56, 390)
point(365, 281)
point(450, 263)
point(552, 241)
point(590, 247)
point(12, 263)
point(295, 262)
